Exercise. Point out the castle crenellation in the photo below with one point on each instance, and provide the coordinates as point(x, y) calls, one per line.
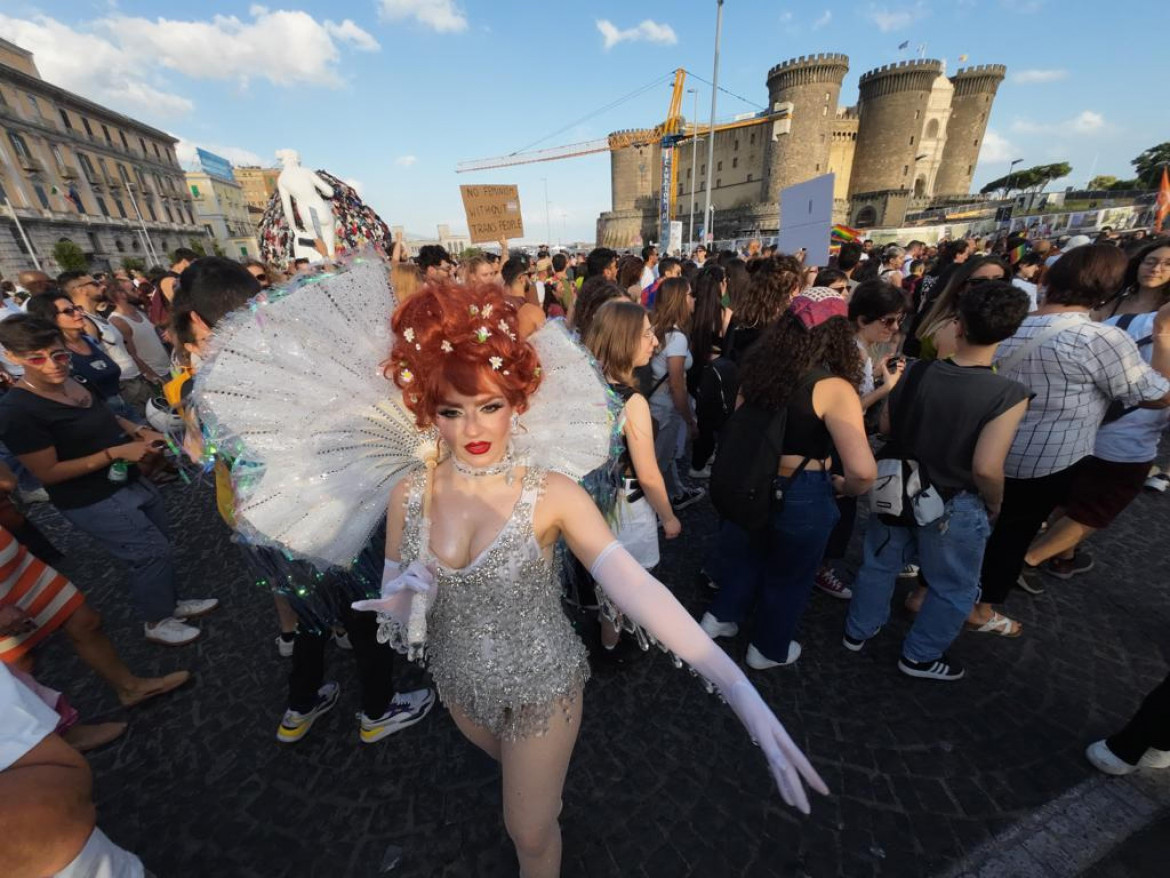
point(913, 134)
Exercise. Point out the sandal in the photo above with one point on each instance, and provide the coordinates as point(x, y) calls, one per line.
point(997, 624)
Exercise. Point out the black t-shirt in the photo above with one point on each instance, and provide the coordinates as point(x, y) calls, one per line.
point(102, 373)
point(30, 423)
point(950, 409)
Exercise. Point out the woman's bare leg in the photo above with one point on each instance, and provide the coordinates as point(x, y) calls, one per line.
point(534, 772)
point(476, 734)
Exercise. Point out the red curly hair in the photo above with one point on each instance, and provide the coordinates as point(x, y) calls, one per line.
point(461, 337)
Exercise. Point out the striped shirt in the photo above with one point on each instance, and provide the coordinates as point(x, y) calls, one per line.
point(1074, 376)
point(47, 597)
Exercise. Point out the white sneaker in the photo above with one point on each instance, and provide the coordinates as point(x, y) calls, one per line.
point(37, 495)
point(284, 647)
point(713, 628)
point(1106, 760)
point(171, 632)
point(1155, 759)
point(910, 571)
point(195, 608)
point(761, 662)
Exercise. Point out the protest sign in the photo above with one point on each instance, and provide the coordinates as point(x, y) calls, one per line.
point(493, 212)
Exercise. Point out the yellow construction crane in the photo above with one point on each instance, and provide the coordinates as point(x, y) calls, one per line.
point(668, 134)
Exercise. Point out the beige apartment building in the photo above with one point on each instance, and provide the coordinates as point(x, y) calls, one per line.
point(73, 170)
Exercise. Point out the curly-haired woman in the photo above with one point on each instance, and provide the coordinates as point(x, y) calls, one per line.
point(475, 533)
point(809, 364)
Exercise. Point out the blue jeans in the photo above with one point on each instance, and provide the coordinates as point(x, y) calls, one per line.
point(132, 525)
point(775, 572)
point(950, 553)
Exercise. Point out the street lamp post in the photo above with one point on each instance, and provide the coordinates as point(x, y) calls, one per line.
point(547, 220)
point(1011, 171)
point(711, 130)
point(694, 169)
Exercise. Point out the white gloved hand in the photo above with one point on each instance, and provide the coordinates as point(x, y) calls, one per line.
point(398, 590)
point(648, 603)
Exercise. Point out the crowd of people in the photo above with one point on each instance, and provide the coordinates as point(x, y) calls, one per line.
point(792, 394)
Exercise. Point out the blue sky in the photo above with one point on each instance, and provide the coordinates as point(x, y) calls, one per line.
point(393, 93)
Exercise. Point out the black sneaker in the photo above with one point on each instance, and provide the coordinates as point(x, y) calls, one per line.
point(944, 669)
point(705, 579)
point(853, 644)
point(688, 497)
point(1030, 581)
point(1067, 568)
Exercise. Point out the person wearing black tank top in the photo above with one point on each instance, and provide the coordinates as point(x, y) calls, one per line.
point(809, 363)
point(622, 339)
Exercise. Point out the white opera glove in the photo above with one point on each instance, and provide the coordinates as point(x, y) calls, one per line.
point(406, 597)
point(648, 603)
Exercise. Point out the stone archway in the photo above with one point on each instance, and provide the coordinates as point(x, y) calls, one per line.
point(866, 217)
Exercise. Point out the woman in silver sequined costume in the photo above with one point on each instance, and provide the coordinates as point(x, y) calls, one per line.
point(470, 545)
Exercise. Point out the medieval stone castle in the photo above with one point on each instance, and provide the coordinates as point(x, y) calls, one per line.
point(911, 142)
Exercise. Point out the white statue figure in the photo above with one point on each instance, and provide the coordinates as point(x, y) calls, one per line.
point(311, 195)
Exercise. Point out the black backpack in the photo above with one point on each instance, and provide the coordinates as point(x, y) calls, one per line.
point(748, 461)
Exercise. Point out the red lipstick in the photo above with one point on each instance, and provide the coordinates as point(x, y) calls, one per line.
point(478, 448)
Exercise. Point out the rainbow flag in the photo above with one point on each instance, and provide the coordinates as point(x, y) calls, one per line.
point(1162, 208)
point(1018, 253)
point(841, 234)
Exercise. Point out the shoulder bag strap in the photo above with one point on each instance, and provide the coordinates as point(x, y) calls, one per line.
point(1017, 356)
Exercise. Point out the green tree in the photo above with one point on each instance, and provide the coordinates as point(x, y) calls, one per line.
point(1149, 164)
point(470, 252)
point(1125, 185)
point(69, 256)
point(1029, 179)
point(1102, 181)
point(133, 263)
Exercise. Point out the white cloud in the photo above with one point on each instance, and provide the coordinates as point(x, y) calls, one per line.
point(405, 161)
point(1029, 77)
point(824, 21)
point(996, 148)
point(348, 32)
point(185, 152)
point(648, 31)
point(439, 15)
point(888, 19)
point(94, 67)
point(283, 47)
point(786, 17)
point(1085, 122)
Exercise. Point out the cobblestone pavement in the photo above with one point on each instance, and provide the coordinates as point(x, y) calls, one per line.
point(664, 782)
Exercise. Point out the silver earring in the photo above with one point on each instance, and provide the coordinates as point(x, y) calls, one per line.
point(515, 422)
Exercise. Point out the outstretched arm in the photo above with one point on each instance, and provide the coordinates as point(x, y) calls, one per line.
point(648, 603)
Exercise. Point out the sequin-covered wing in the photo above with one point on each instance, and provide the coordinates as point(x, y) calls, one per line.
point(292, 393)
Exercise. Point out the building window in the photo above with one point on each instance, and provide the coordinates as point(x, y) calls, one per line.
point(87, 167)
point(167, 210)
point(21, 148)
point(737, 145)
point(703, 170)
point(119, 246)
point(32, 102)
point(975, 142)
point(65, 120)
point(917, 113)
point(157, 154)
point(121, 208)
point(970, 168)
point(150, 210)
point(125, 176)
point(689, 172)
point(101, 203)
point(749, 179)
point(824, 111)
point(718, 182)
point(125, 144)
point(19, 239)
point(818, 169)
point(94, 244)
point(680, 187)
point(719, 166)
point(88, 130)
point(142, 144)
point(752, 137)
point(905, 170)
point(827, 96)
point(106, 132)
point(41, 196)
point(56, 150)
point(911, 139)
point(735, 162)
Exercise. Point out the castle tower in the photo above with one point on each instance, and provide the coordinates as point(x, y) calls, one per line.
point(975, 88)
point(893, 108)
point(634, 171)
point(799, 145)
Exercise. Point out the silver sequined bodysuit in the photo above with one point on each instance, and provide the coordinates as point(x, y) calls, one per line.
point(499, 645)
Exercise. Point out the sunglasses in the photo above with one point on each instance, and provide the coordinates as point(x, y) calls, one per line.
point(70, 310)
point(61, 358)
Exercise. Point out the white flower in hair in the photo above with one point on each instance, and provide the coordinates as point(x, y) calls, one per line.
point(446, 347)
point(496, 362)
point(487, 311)
point(504, 328)
point(408, 334)
point(482, 334)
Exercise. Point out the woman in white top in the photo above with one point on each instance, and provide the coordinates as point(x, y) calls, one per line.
point(670, 405)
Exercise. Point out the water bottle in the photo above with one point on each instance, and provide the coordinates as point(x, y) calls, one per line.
point(119, 471)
